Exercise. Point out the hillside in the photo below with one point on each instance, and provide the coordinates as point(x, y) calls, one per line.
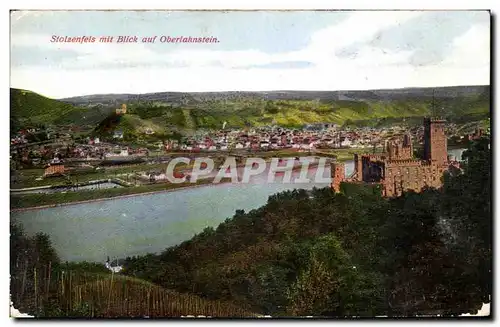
point(42, 286)
point(131, 125)
point(131, 297)
point(296, 108)
point(29, 108)
point(169, 112)
point(79, 293)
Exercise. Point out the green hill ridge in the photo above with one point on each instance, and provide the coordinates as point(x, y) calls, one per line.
point(165, 115)
point(28, 108)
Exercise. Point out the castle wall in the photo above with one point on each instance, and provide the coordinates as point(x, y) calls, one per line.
point(400, 149)
point(411, 175)
point(395, 170)
point(372, 170)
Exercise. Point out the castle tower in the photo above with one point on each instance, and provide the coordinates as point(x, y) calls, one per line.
point(408, 143)
point(122, 110)
point(435, 142)
point(338, 175)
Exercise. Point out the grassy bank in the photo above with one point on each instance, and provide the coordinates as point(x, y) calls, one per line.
point(41, 199)
point(27, 177)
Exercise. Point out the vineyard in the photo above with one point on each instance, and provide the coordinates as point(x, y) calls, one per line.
point(45, 293)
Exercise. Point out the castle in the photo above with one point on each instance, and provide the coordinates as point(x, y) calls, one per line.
point(122, 110)
point(395, 170)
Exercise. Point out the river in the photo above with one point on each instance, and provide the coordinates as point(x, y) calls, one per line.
point(149, 223)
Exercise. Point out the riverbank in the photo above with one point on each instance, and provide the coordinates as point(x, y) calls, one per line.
point(28, 202)
point(33, 201)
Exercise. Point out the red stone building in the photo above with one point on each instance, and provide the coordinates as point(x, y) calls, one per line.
point(478, 133)
point(395, 169)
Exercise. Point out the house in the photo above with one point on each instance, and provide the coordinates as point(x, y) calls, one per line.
point(345, 143)
point(57, 168)
point(118, 134)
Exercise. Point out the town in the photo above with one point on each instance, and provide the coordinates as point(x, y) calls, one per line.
point(61, 150)
point(320, 164)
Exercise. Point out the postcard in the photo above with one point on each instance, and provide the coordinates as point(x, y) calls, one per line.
point(250, 164)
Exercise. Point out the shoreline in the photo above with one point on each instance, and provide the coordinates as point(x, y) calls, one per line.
point(47, 206)
point(223, 181)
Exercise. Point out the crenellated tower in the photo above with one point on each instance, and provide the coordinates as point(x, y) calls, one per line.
point(435, 141)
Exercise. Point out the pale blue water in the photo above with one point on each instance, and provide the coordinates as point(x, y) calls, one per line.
point(149, 223)
point(144, 223)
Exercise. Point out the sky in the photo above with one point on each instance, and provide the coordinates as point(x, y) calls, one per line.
point(256, 51)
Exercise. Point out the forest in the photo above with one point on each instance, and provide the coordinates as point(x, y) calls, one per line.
point(348, 254)
point(304, 253)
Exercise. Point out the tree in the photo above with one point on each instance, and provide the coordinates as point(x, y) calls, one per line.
point(310, 294)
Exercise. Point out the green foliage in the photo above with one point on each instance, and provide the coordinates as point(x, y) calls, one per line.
point(296, 113)
point(28, 109)
point(44, 287)
point(311, 292)
point(349, 254)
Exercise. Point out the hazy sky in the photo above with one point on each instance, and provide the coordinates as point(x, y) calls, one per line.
point(256, 51)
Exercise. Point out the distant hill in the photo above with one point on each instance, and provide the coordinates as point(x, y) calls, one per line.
point(295, 108)
point(190, 97)
point(181, 112)
point(30, 108)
